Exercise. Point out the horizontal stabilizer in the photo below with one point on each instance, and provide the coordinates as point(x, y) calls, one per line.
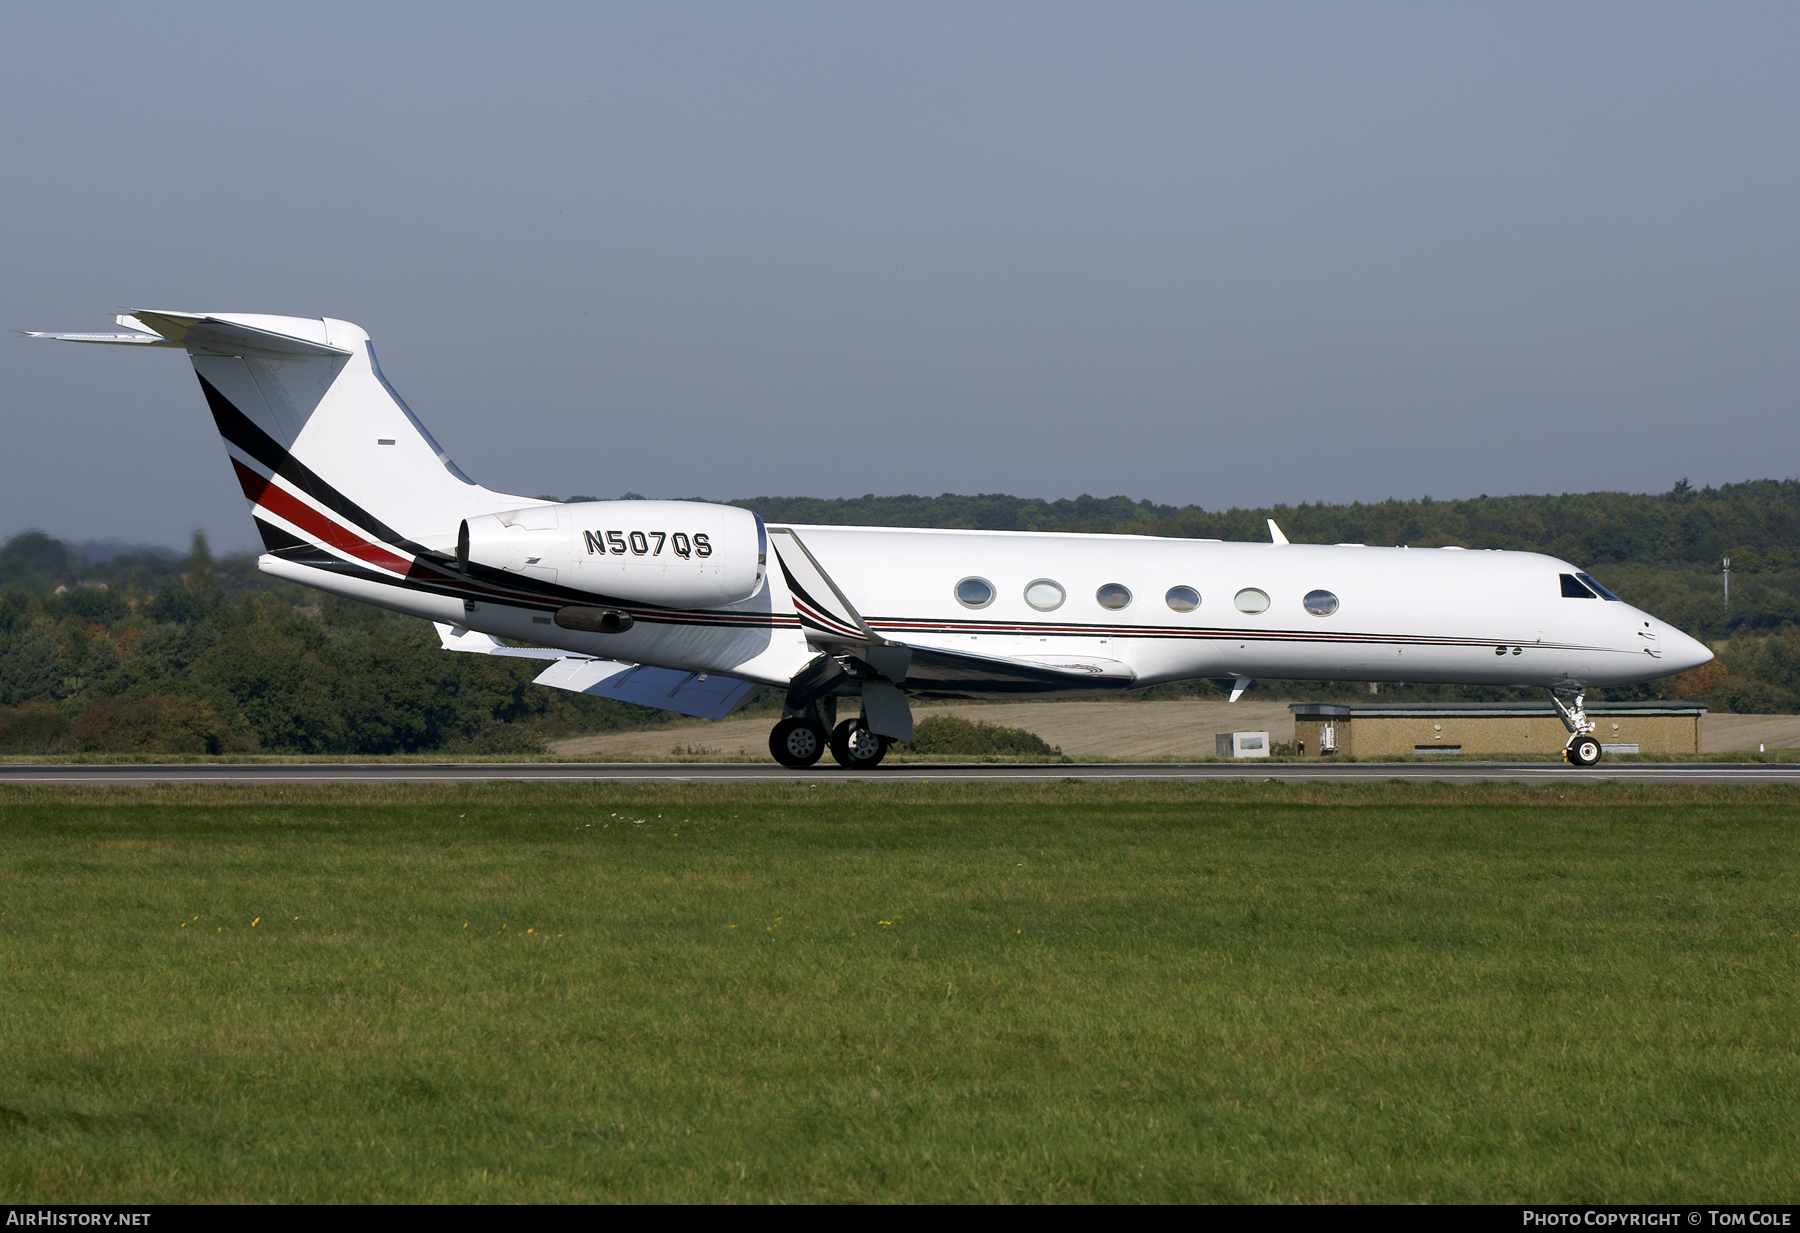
point(454, 638)
point(234, 333)
point(221, 335)
point(687, 693)
point(129, 340)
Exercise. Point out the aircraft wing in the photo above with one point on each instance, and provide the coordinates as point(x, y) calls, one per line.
point(935, 673)
point(686, 693)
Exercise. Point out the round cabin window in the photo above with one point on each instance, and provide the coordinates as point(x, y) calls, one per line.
point(1320, 603)
point(1045, 595)
point(1113, 597)
point(974, 592)
point(1183, 599)
point(1251, 600)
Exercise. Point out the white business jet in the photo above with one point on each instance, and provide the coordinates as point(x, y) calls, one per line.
point(690, 606)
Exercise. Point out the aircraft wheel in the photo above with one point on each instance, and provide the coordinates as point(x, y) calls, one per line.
point(796, 743)
point(856, 748)
point(1582, 751)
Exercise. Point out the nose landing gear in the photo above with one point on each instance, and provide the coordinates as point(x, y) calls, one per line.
point(1583, 748)
point(1582, 751)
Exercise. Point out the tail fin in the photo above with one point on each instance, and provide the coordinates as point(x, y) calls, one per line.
point(316, 435)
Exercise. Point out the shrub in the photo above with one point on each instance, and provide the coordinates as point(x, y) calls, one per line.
point(155, 725)
point(952, 734)
point(33, 727)
point(498, 738)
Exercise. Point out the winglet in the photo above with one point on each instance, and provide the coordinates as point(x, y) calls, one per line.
point(823, 609)
point(1275, 535)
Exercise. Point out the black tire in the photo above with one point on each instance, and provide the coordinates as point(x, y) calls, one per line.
point(855, 748)
point(1583, 751)
point(797, 743)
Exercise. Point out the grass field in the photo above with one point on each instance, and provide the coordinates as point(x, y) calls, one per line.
point(853, 992)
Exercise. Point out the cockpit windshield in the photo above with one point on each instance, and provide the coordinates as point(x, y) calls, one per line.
point(1601, 591)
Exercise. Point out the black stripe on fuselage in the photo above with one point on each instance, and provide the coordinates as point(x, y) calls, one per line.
point(899, 627)
point(505, 587)
point(451, 587)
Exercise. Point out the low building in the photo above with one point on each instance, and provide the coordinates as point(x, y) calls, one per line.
point(1380, 729)
point(1242, 744)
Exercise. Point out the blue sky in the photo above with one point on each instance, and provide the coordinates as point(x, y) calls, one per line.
point(1230, 255)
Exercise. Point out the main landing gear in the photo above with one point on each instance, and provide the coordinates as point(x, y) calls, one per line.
point(799, 741)
point(1583, 748)
point(856, 748)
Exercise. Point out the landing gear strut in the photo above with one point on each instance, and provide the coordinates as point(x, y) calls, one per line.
point(1583, 748)
point(800, 739)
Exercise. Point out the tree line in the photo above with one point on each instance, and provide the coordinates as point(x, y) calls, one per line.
point(153, 651)
point(1662, 552)
point(159, 654)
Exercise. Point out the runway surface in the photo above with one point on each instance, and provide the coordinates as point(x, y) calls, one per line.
point(696, 772)
point(1093, 731)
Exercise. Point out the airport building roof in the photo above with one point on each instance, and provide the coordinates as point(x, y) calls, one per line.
point(1481, 710)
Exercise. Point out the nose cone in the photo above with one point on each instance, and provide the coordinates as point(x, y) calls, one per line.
point(1680, 652)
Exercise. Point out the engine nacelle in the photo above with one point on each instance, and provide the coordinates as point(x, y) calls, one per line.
point(674, 554)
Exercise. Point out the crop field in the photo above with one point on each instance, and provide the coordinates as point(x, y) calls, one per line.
point(911, 993)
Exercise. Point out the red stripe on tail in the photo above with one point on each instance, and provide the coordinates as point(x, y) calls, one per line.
point(278, 501)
